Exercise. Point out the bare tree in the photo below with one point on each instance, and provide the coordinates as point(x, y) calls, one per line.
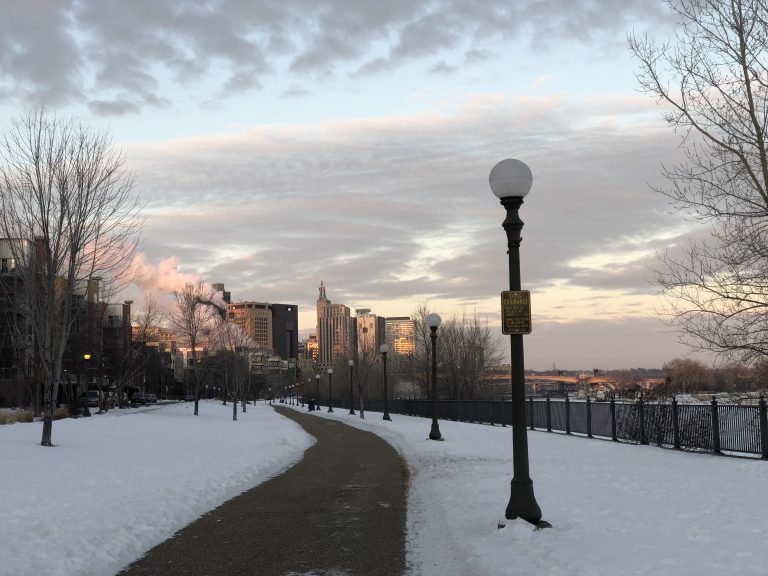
point(467, 349)
point(67, 206)
point(192, 318)
point(133, 361)
point(366, 372)
point(232, 344)
point(713, 81)
point(686, 375)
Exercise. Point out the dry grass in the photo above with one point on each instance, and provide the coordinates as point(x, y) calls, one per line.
point(14, 416)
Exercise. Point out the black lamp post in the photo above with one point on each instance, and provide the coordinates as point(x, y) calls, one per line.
point(433, 321)
point(510, 181)
point(351, 389)
point(86, 358)
point(317, 391)
point(330, 389)
point(384, 349)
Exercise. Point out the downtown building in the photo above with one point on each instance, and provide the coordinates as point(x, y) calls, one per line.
point(400, 337)
point(335, 331)
point(273, 327)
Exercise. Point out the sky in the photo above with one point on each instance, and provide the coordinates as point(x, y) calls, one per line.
point(615, 508)
point(280, 144)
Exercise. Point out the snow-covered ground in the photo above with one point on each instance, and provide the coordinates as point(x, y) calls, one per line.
point(118, 483)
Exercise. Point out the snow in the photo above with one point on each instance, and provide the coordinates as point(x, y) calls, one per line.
point(118, 483)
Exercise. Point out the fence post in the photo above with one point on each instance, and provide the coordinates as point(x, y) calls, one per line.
point(763, 429)
point(549, 414)
point(530, 404)
point(675, 424)
point(613, 419)
point(641, 414)
point(503, 424)
point(589, 417)
point(477, 412)
point(490, 411)
point(715, 427)
point(567, 414)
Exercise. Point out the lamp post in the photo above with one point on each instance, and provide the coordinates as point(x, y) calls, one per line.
point(433, 321)
point(86, 358)
point(384, 349)
point(351, 389)
point(317, 391)
point(330, 389)
point(510, 181)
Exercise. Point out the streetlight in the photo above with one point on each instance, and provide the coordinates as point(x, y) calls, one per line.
point(86, 409)
point(351, 390)
point(317, 391)
point(433, 321)
point(330, 390)
point(510, 181)
point(384, 349)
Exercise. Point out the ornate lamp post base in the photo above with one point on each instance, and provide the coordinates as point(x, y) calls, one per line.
point(522, 504)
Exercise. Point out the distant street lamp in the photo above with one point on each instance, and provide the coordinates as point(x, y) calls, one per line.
point(351, 389)
point(86, 358)
point(317, 391)
point(433, 321)
point(330, 389)
point(510, 181)
point(384, 349)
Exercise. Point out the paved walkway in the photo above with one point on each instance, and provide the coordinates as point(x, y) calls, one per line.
point(340, 511)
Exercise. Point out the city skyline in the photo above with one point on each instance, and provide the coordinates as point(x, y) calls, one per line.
point(278, 146)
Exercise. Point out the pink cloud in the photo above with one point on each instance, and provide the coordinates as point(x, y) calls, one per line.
point(162, 277)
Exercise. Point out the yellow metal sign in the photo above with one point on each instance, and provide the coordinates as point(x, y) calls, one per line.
point(516, 312)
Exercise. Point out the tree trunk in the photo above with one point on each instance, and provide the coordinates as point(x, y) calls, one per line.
point(48, 400)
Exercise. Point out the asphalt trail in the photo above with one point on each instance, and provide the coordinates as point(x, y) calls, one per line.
point(340, 511)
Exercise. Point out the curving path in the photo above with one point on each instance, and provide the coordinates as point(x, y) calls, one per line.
point(340, 511)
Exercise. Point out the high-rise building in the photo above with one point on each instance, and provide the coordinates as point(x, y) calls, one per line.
point(335, 330)
point(400, 331)
point(285, 330)
point(370, 330)
point(255, 319)
point(310, 348)
point(322, 302)
point(273, 327)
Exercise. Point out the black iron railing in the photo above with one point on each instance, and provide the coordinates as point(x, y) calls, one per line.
point(711, 427)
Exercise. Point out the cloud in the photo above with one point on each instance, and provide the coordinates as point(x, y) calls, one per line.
point(164, 276)
point(398, 209)
point(133, 54)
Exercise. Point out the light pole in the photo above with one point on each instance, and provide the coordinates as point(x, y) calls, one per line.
point(317, 391)
point(384, 349)
point(351, 389)
point(330, 389)
point(510, 181)
point(86, 358)
point(433, 321)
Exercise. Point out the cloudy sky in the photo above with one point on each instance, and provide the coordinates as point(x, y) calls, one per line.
point(280, 143)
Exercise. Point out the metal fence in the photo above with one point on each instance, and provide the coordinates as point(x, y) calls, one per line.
point(711, 427)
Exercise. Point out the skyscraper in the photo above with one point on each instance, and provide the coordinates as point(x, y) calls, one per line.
point(370, 332)
point(400, 331)
point(335, 330)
